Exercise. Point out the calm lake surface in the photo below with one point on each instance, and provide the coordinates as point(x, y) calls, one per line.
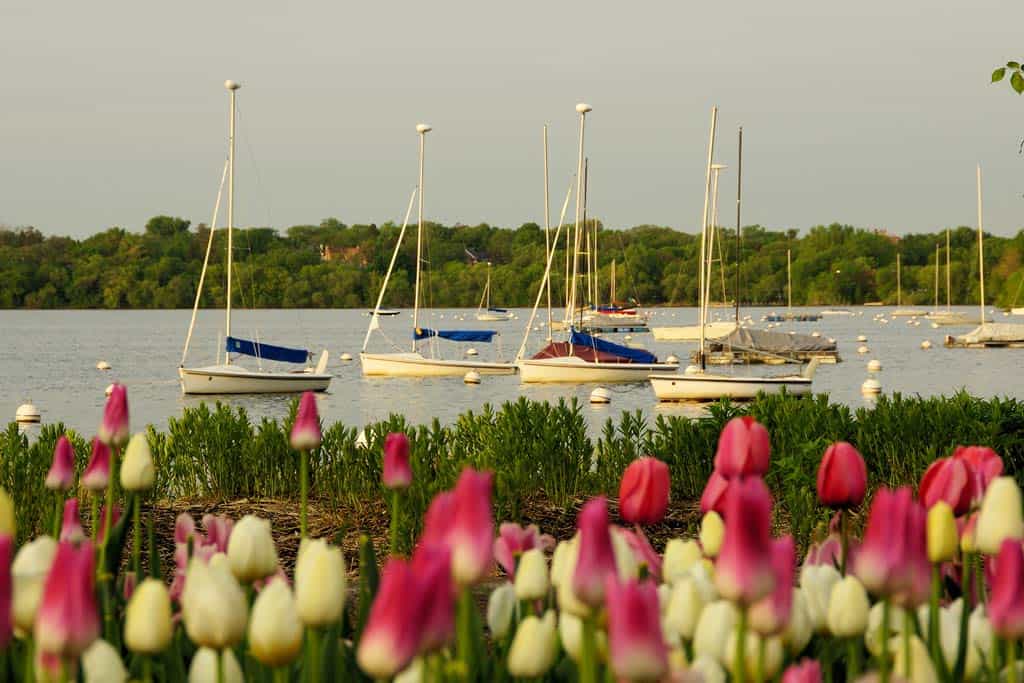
point(50, 357)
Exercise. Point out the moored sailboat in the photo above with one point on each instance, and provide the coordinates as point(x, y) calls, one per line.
point(487, 313)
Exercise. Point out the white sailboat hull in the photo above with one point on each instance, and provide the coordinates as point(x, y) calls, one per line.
point(1017, 311)
point(416, 365)
point(570, 369)
point(907, 312)
point(232, 379)
point(493, 317)
point(952, 318)
point(711, 387)
point(692, 332)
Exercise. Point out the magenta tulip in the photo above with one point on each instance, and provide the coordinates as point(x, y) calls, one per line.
point(394, 629)
point(471, 535)
point(892, 560)
point(71, 528)
point(743, 568)
point(184, 528)
point(1006, 603)
point(714, 495)
point(397, 472)
point(829, 551)
point(596, 559)
point(743, 448)
point(644, 490)
point(97, 471)
point(805, 671)
point(113, 429)
point(306, 434)
point(514, 540)
point(636, 647)
point(62, 471)
point(432, 567)
point(842, 477)
point(67, 621)
point(6, 591)
point(769, 616)
point(437, 522)
point(642, 551)
point(949, 480)
point(985, 465)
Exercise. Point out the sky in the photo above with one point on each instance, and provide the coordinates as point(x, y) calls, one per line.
point(871, 113)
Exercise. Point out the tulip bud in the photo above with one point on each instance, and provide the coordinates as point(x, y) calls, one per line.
point(1000, 516)
point(949, 630)
point(921, 667)
point(773, 653)
point(147, 625)
point(968, 534)
point(981, 640)
point(680, 557)
point(684, 609)
point(251, 550)
point(709, 669)
point(113, 429)
point(31, 565)
point(712, 532)
point(816, 582)
point(799, 631)
point(320, 583)
point(500, 607)
point(950, 480)
point(806, 671)
point(873, 634)
point(644, 491)
point(514, 540)
point(414, 673)
point(393, 632)
point(8, 525)
point(101, 663)
point(205, 665)
point(942, 536)
point(275, 633)
point(397, 474)
point(848, 608)
point(596, 558)
point(1006, 602)
point(743, 448)
point(532, 576)
point(714, 494)
point(71, 528)
point(842, 477)
point(213, 605)
point(743, 567)
point(534, 647)
point(570, 632)
point(68, 620)
point(471, 536)
point(97, 471)
point(62, 471)
point(306, 434)
point(137, 473)
point(636, 646)
point(716, 622)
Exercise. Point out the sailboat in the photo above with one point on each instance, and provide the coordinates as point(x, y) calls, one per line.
point(902, 312)
point(582, 357)
point(949, 317)
point(485, 312)
point(696, 384)
point(413, 363)
point(789, 315)
point(229, 377)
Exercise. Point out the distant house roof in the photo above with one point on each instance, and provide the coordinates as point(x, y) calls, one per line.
point(475, 256)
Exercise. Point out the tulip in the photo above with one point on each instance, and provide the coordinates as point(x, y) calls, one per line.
point(6, 589)
point(8, 524)
point(320, 583)
point(943, 539)
point(305, 434)
point(275, 633)
point(67, 620)
point(184, 528)
point(750, 657)
point(848, 608)
point(71, 529)
point(805, 671)
point(437, 520)
point(799, 630)
point(213, 605)
point(842, 477)
point(985, 465)
point(641, 550)
point(595, 561)
point(147, 625)
point(1000, 516)
point(743, 571)
point(205, 665)
point(251, 550)
point(712, 533)
point(501, 606)
point(743, 448)
point(893, 558)
point(980, 641)
point(137, 473)
point(101, 663)
point(816, 583)
point(770, 614)
point(713, 497)
point(218, 531)
point(949, 480)
point(873, 635)
point(947, 631)
point(392, 634)
point(829, 551)
point(685, 606)
point(471, 537)
point(432, 566)
point(563, 571)
point(717, 621)
point(97, 471)
point(921, 669)
point(680, 556)
point(644, 491)
point(570, 632)
point(635, 643)
point(532, 581)
point(29, 571)
point(534, 647)
point(397, 473)
point(113, 429)
point(709, 670)
point(62, 471)
point(414, 673)
point(514, 540)
point(1006, 603)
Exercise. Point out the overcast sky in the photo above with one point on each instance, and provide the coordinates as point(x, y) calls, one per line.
point(872, 113)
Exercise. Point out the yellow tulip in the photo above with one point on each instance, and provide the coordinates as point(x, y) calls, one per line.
point(712, 531)
point(204, 667)
point(320, 583)
point(534, 646)
point(532, 575)
point(275, 633)
point(137, 472)
point(147, 625)
point(1000, 517)
point(680, 557)
point(943, 538)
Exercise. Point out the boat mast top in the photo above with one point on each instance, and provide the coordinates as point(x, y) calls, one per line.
point(232, 87)
point(703, 237)
point(582, 109)
point(739, 188)
point(421, 129)
point(981, 254)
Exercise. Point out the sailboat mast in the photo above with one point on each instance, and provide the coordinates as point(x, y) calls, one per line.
point(703, 234)
point(611, 292)
point(936, 276)
point(789, 282)
point(571, 304)
point(586, 228)
point(739, 193)
point(487, 289)
point(949, 277)
point(422, 129)
point(232, 88)
point(899, 285)
point(547, 225)
point(981, 254)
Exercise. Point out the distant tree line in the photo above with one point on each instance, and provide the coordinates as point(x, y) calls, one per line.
point(333, 265)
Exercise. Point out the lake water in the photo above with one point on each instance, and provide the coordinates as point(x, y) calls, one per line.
point(50, 357)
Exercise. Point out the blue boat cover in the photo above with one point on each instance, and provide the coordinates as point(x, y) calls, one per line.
point(636, 355)
point(492, 309)
point(455, 335)
point(266, 351)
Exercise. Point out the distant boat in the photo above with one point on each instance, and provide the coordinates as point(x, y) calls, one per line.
point(386, 312)
point(903, 312)
point(487, 313)
point(227, 377)
point(712, 330)
point(837, 311)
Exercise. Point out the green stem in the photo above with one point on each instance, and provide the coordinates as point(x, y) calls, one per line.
point(312, 669)
point(759, 671)
point(28, 673)
point(395, 516)
point(961, 647)
point(934, 646)
point(852, 659)
point(137, 537)
point(147, 670)
point(738, 665)
point(908, 659)
point(94, 516)
point(464, 641)
point(281, 674)
point(979, 576)
point(588, 652)
point(844, 541)
point(304, 488)
point(220, 666)
point(58, 515)
point(883, 657)
point(1011, 661)
point(110, 510)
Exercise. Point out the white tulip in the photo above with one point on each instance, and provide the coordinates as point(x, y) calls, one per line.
point(680, 557)
point(532, 575)
point(922, 670)
point(627, 566)
point(817, 582)
point(147, 624)
point(848, 607)
point(773, 654)
point(800, 630)
point(251, 550)
point(137, 471)
point(716, 622)
point(501, 606)
point(320, 583)
point(275, 633)
point(709, 668)
point(204, 667)
point(570, 632)
point(534, 646)
point(213, 605)
point(412, 673)
point(684, 609)
point(873, 635)
point(28, 573)
point(1000, 517)
point(102, 664)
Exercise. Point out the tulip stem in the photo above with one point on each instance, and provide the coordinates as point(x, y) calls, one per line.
point(883, 656)
point(908, 659)
point(281, 674)
point(738, 657)
point(852, 659)
point(312, 670)
point(29, 674)
point(759, 672)
point(464, 636)
point(979, 576)
point(147, 670)
point(58, 514)
point(588, 652)
point(109, 515)
point(395, 514)
point(965, 613)
point(220, 666)
point(137, 536)
point(933, 614)
point(94, 517)
point(844, 541)
point(1011, 660)
point(304, 489)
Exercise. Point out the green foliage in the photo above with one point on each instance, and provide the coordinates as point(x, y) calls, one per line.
point(1016, 76)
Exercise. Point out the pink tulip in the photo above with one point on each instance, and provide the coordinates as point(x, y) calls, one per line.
point(642, 550)
point(113, 429)
point(397, 472)
point(829, 551)
point(184, 527)
point(985, 465)
point(743, 569)
point(71, 528)
point(432, 566)
point(306, 431)
point(437, 521)
point(471, 538)
point(596, 559)
point(97, 471)
point(892, 560)
point(842, 477)
point(743, 448)
point(770, 615)
point(644, 490)
point(394, 629)
point(67, 621)
point(1006, 603)
point(714, 495)
point(636, 647)
point(62, 471)
point(218, 531)
point(103, 522)
point(514, 540)
point(6, 549)
point(806, 671)
point(949, 480)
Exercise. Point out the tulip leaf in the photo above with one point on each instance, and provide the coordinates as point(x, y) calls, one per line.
point(998, 74)
point(369, 580)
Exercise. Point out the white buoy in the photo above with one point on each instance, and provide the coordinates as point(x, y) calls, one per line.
point(871, 386)
point(874, 365)
point(861, 338)
point(815, 334)
point(926, 345)
point(862, 349)
point(672, 360)
point(831, 340)
point(346, 357)
point(691, 370)
point(27, 413)
point(935, 326)
point(109, 390)
point(103, 365)
point(600, 395)
point(471, 377)
point(628, 337)
point(471, 351)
